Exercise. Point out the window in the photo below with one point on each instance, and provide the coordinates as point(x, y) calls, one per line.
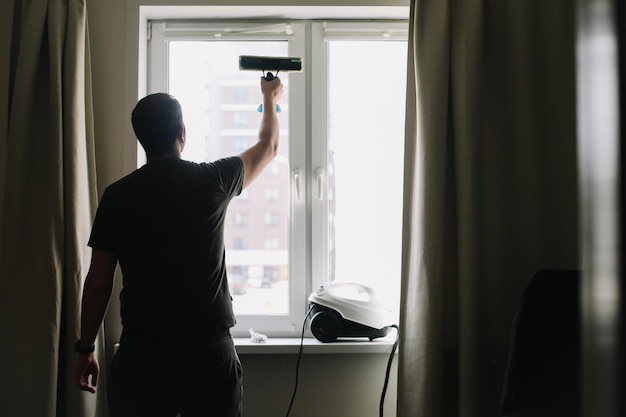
point(240, 243)
point(240, 144)
point(272, 193)
point(272, 219)
point(241, 219)
point(328, 208)
point(271, 243)
point(240, 118)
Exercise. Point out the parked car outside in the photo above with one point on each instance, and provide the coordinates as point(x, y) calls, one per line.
point(237, 284)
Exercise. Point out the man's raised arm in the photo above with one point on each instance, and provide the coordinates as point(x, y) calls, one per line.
point(257, 157)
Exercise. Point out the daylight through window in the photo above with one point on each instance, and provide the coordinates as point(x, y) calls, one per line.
point(329, 207)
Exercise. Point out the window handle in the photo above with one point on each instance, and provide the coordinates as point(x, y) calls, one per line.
point(297, 175)
point(319, 174)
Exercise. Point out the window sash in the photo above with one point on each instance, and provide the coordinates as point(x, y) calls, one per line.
point(321, 33)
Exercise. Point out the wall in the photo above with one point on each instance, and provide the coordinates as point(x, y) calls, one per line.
point(348, 385)
point(329, 384)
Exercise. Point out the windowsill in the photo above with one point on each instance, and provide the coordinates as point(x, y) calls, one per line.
point(284, 346)
point(280, 346)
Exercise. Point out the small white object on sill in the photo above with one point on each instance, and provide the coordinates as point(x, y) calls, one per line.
point(257, 337)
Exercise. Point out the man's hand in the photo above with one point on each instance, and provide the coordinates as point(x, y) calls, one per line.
point(96, 295)
point(271, 90)
point(86, 366)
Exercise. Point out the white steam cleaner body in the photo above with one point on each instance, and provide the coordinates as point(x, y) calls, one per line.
point(347, 310)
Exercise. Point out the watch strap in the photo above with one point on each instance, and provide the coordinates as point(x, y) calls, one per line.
point(82, 350)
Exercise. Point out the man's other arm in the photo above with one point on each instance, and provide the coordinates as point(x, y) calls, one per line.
point(96, 295)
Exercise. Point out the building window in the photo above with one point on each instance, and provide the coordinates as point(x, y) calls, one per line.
point(240, 243)
point(271, 219)
point(335, 187)
point(272, 193)
point(240, 118)
point(242, 93)
point(240, 144)
point(241, 219)
point(271, 243)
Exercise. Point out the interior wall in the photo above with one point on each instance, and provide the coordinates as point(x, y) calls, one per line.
point(331, 385)
point(344, 385)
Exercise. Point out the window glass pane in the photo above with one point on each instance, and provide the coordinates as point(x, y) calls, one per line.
point(220, 106)
point(365, 163)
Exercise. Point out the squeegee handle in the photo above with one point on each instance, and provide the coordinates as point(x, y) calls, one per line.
point(268, 77)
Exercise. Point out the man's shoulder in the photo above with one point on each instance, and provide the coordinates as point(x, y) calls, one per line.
point(126, 179)
point(178, 169)
point(226, 162)
point(231, 165)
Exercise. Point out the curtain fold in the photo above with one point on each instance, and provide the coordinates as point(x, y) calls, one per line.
point(426, 365)
point(490, 190)
point(48, 196)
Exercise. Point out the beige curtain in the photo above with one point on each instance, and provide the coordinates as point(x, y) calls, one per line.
point(47, 196)
point(490, 190)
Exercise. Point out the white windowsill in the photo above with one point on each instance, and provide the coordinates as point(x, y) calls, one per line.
point(280, 346)
point(283, 346)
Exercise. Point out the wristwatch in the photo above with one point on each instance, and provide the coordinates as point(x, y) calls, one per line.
point(82, 350)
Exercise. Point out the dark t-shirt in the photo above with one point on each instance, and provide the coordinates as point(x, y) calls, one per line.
point(165, 223)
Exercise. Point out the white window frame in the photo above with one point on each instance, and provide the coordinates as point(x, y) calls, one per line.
point(308, 214)
point(321, 32)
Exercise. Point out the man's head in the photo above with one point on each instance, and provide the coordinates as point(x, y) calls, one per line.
point(158, 123)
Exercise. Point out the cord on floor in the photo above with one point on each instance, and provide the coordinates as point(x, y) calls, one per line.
point(295, 387)
point(393, 352)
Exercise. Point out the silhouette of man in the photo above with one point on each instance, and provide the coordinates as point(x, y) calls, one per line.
point(164, 224)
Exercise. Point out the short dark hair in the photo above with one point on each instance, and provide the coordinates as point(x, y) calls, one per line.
point(156, 120)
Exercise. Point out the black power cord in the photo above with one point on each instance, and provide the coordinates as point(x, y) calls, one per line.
point(393, 352)
point(388, 371)
point(295, 387)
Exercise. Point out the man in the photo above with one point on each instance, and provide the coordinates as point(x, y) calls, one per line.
point(164, 224)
